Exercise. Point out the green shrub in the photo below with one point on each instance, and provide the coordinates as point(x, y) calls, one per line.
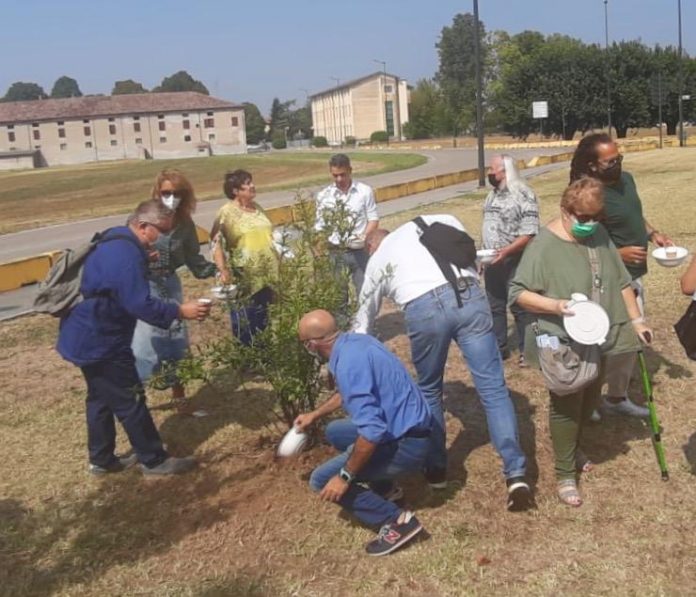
point(350, 141)
point(319, 142)
point(278, 141)
point(379, 137)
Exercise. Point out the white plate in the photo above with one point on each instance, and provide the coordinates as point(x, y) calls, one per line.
point(590, 324)
point(485, 256)
point(224, 292)
point(292, 444)
point(660, 255)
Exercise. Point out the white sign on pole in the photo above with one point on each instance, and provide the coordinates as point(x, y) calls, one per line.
point(540, 109)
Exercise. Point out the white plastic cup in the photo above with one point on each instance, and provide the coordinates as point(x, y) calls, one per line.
point(205, 301)
point(671, 252)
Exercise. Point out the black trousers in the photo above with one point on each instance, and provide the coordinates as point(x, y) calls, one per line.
point(114, 390)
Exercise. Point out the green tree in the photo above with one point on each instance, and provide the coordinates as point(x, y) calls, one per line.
point(127, 86)
point(426, 111)
point(66, 87)
point(666, 64)
point(181, 81)
point(255, 124)
point(20, 92)
point(280, 117)
point(456, 75)
point(300, 123)
point(630, 66)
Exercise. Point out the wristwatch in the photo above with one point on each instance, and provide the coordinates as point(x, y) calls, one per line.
point(346, 475)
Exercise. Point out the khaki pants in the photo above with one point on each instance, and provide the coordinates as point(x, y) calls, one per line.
point(620, 366)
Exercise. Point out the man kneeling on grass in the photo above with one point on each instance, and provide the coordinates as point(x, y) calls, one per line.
point(386, 435)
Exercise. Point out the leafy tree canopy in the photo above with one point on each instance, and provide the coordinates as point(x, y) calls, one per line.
point(66, 87)
point(181, 81)
point(127, 86)
point(20, 91)
point(255, 124)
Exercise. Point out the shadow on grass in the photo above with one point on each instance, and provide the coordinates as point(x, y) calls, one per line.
point(690, 452)
point(655, 361)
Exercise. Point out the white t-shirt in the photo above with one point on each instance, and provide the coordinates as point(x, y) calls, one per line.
point(359, 199)
point(402, 269)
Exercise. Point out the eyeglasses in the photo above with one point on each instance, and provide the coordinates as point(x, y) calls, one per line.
point(328, 338)
point(612, 162)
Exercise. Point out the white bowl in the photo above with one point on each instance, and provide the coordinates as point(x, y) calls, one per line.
point(293, 443)
point(485, 256)
point(660, 255)
point(224, 292)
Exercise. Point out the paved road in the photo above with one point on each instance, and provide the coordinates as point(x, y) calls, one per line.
point(33, 242)
point(18, 302)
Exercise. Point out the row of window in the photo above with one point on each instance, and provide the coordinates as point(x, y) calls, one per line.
point(208, 123)
point(114, 142)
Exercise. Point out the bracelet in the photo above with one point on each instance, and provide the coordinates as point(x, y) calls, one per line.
point(638, 320)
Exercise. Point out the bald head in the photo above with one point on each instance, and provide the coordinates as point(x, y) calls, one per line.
point(316, 324)
point(374, 239)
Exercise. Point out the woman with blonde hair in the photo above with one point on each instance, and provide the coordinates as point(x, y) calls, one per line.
point(157, 351)
point(573, 254)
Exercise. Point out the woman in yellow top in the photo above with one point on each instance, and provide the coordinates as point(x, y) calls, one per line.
point(245, 243)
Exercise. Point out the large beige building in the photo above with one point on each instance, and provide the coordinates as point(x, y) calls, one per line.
point(377, 102)
point(138, 126)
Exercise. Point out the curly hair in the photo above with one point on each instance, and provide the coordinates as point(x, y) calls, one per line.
point(585, 193)
point(182, 189)
point(234, 180)
point(585, 154)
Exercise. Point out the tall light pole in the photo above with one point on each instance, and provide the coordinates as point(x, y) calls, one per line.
point(340, 108)
point(681, 80)
point(383, 93)
point(479, 99)
point(607, 72)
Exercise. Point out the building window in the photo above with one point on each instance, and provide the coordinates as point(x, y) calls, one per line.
point(37, 146)
point(389, 109)
point(209, 123)
point(35, 124)
point(13, 149)
point(114, 142)
point(88, 131)
point(209, 113)
point(11, 136)
point(61, 133)
point(88, 145)
point(184, 115)
point(61, 123)
point(112, 129)
point(163, 139)
point(211, 137)
point(112, 120)
point(187, 138)
point(186, 124)
point(202, 150)
point(160, 116)
point(136, 127)
point(10, 127)
point(85, 121)
point(388, 89)
point(162, 125)
point(37, 134)
point(63, 146)
point(136, 117)
point(138, 141)
point(235, 121)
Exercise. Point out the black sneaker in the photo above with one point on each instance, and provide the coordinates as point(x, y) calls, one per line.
point(118, 465)
point(519, 495)
point(436, 477)
point(394, 535)
point(171, 466)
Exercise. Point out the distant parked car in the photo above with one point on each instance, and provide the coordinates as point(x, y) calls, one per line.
point(258, 147)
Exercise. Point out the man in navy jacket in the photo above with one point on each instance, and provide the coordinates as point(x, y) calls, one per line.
point(97, 333)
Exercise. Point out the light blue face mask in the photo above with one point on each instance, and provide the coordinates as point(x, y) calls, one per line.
point(582, 229)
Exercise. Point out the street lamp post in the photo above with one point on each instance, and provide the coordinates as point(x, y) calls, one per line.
point(681, 80)
point(479, 99)
point(383, 93)
point(607, 72)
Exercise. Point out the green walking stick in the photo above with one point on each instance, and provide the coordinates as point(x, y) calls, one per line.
point(654, 423)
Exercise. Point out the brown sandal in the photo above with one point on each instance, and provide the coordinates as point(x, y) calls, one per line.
point(568, 493)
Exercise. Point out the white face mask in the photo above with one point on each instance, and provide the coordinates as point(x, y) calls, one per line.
point(171, 201)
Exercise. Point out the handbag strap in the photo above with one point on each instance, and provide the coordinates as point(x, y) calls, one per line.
point(596, 271)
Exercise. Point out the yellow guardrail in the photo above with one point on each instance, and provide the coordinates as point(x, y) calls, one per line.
point(30, 270)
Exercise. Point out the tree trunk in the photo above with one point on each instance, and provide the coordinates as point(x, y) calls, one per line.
point(671, 128)
point(621, 130)
point(569, 133)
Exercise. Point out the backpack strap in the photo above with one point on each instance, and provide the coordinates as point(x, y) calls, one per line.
point(444, 265)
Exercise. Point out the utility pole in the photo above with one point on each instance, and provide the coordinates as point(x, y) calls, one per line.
point(607, 71)
point(479, 99)
point(383, 94)
point(681, 80)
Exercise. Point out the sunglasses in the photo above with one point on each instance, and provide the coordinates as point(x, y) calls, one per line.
point(612, 162)
point(168, 193)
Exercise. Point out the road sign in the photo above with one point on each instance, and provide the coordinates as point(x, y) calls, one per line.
point(540, 109)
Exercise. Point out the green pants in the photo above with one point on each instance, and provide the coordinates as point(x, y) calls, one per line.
point(567, 415)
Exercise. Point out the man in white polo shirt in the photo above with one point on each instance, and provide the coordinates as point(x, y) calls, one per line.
point(355, 201)
point(401, 268)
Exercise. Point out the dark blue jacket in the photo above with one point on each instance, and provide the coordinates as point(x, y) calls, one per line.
point(101, 327)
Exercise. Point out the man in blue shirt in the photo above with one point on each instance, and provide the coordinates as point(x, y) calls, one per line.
point(96, 336)
point(387, 433)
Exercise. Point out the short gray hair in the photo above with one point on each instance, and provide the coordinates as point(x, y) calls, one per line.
point(152, 211)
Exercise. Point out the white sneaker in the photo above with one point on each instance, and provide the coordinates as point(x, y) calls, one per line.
point(625, 408)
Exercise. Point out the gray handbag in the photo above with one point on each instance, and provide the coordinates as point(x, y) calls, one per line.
point(571, 367)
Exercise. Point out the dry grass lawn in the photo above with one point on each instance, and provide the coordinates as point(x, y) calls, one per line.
point(34, 198)
point(246, 524)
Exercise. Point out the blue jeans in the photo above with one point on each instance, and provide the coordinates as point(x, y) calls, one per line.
point(433, 320)
point(405, 455)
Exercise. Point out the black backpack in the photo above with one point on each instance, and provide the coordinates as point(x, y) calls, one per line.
point(60, 290)
point(448, 246)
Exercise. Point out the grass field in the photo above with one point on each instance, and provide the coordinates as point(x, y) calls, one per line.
point(33, 198)
point(246, 524)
